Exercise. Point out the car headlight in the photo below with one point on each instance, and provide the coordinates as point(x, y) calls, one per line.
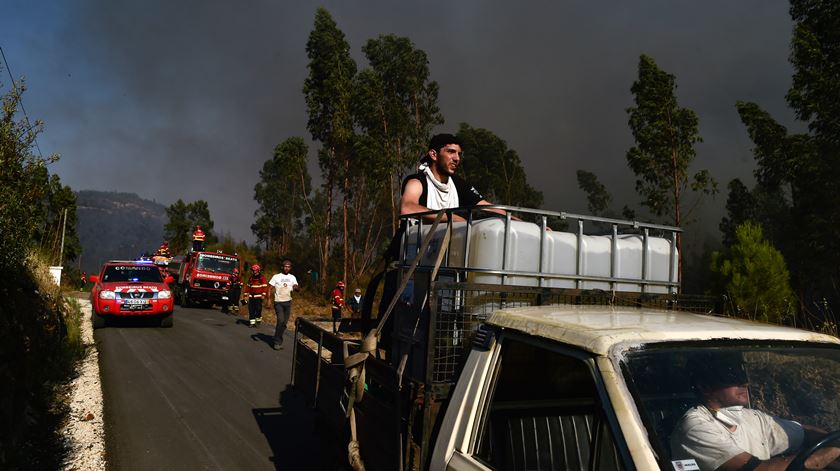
point(107, 294)
point(164, 294)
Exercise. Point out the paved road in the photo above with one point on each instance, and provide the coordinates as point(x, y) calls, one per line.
point(209, 393)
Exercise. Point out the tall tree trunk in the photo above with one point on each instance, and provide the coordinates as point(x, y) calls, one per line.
point(359, 199)
point(327, 226)
point(394, 212)
point(344, 212)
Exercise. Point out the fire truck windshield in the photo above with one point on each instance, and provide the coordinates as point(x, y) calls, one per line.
point(131, 273)
point(216, 263)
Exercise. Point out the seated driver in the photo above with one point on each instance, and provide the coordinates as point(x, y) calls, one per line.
point(723, 433)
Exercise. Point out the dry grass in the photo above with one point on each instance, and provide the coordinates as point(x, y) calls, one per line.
point(304, 303)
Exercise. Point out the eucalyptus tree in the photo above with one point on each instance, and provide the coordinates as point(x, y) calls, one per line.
point(797, 191)
point(328, 90)
point(396, 108)
point(665, 136)
point(597, 197)
point(495, 169)
point(282, 196)
point(181, 221)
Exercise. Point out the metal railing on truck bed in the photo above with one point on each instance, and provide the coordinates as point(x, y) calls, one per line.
point(621, 257)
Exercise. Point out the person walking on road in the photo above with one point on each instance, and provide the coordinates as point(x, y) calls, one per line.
point(337, 297)
point(235, 290)
point(283, 284)
point(355, 303)
point(255, 290)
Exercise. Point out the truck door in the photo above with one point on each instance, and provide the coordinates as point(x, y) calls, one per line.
point(543, 410)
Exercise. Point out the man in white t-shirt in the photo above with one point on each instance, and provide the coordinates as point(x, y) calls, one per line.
point(282, 284)
point(723, 433)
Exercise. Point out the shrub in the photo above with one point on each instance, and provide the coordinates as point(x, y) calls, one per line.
point(754, 276)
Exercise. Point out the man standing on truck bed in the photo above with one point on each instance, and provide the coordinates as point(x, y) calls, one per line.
point(436, 186)
point(283, 284)
point(255, 290)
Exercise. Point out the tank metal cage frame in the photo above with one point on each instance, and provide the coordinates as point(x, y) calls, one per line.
point(469, 214)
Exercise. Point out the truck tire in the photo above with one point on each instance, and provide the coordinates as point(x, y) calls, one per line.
point(97, 320)
point(167, 320)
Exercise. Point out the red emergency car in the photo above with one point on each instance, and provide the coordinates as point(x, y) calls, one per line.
point(131, 289)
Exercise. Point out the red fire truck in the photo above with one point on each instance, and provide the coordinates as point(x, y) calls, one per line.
point(203, 278)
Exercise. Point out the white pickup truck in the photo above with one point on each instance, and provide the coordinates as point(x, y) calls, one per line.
point(592, 387)
point(513, 347)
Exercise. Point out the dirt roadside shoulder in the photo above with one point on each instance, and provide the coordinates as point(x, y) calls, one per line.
point(84, 430)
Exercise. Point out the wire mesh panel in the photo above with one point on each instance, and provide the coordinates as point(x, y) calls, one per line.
point(461, 307)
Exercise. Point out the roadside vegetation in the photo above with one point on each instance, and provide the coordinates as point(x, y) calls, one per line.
point(39, 330)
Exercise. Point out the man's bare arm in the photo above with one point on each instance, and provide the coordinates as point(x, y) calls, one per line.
point(410, 202)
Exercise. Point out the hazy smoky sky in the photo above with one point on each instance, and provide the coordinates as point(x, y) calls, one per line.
point(186, 99)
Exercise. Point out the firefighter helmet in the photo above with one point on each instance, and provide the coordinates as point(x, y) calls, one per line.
point(340, 284)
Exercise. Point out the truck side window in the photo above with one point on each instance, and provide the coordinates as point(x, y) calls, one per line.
point(544, 414)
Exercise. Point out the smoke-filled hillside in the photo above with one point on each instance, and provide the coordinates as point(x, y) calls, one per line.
point(116, 225)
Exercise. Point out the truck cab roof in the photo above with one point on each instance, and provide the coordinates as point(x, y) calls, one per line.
point(598, 329)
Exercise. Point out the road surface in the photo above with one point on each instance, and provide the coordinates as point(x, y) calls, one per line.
point(209, 393)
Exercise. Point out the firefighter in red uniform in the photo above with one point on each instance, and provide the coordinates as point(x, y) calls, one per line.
point(198, 239)
point(83, 281)
point(234, 292)
point(255, 291)
point(337, 303)
point(163, 250)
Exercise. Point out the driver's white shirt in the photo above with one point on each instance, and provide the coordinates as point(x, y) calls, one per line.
point(701, 436)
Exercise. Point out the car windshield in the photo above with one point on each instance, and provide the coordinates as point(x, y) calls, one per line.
point(132, 273)
point(793, 381)
point(216, 263)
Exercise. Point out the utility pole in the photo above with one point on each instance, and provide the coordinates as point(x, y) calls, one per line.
point(61, 250)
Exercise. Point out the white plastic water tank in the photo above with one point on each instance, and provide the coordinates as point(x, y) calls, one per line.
point(487, 247)
point(597, 252)
point(413, 243)
point(560, 258)
point(628, 261)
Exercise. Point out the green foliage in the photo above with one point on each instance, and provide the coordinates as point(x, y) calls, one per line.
point(797, 193)
point(597, 197)
point(755, 277)
point(60, 198)
point(329, 87)
point(395, 105)
point(328, 90)
point(183, 218)
point(281, 195)
point(665, 136)
point(816, 61)
point(39, 343)
point(740, 208)
point(495, 169)
point(24, 181)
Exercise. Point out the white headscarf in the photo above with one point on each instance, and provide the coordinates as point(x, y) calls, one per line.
point(440, 195)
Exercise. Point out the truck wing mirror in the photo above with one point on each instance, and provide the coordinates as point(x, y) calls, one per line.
point(169, 280)
point(94, 278)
